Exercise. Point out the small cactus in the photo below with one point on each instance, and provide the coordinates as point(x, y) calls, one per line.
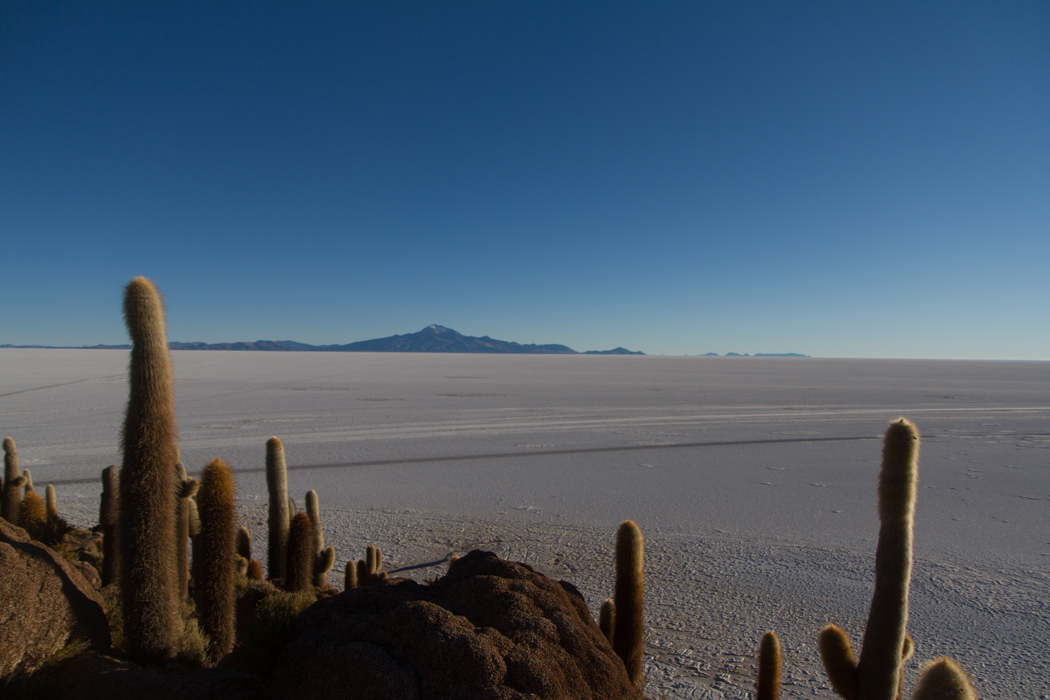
point(629, 628)
point(767, 686)
point(302, 554)
point(323, 563)
point(255, 572)
point(943, 679)
point(187, 487)
point(280, 508)
point(50, 501)
point(244, 543)
point(13, 483)
point(607, 619)
point(28, 482)
point(32, 515)
point(350, 577)
point(108, 518)
point(214, 570)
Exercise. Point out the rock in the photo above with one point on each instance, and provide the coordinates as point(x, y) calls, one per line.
point(46, 603)
point(488, 629)
point(92, 676)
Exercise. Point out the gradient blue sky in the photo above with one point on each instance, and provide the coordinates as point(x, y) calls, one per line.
point(842, 179)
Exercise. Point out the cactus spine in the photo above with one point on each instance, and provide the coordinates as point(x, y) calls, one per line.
point(108, 518)
point(769, 663)
point(301, 554)
point(280, 513)
point(629, 627)
point(187, 488)
point(147, 482)
point(214, 571)
point(13, 483)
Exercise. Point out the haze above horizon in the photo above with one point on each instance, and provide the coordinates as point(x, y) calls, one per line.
point(836, 179)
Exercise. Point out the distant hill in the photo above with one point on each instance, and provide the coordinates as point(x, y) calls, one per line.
point(433, 338)
point(440, 339)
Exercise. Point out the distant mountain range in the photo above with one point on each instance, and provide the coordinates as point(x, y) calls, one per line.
point(433, 338)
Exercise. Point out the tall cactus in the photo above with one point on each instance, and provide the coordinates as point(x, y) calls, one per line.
point(13, 483)
point(147, 482)
point(876, 676)
point(187, 488)
point(629, 627)
point(280, 513)
point(214, 571)
point(108, 518)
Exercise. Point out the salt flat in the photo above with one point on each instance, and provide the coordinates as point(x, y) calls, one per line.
point(752, 478)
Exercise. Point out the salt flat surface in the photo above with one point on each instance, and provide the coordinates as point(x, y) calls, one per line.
point(752, 478)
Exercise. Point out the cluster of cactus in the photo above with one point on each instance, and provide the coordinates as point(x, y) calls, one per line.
point(297, 556)
point(367, 571)
point(878, 674)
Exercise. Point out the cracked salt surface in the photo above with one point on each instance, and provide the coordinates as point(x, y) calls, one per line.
point(753, 480)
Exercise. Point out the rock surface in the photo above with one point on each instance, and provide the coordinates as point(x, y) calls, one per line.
point(488, 629)
point(46, 603)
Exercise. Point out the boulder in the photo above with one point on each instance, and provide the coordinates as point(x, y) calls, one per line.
point(488, 629)
point(45, 604)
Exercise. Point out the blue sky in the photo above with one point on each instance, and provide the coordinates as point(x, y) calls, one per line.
point(853, 179)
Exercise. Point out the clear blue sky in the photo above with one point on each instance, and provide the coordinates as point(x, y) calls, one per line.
point(842, 179)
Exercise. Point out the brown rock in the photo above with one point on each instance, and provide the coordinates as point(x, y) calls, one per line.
point(488, 629)
point(46, 603)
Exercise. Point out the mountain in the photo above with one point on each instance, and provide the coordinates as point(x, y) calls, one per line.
point(614, 351)
point(440, 339)
point(257, 345)
point(433, 338)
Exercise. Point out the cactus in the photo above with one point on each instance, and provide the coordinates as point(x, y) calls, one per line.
point(254, 572)
point(32, 515)
point(187, 488)
point(13, 483)
point(244, 543)
point(767, 686)
point(214, 570)
point(886, 645)
point(280, 512)
point(302, 554)
point(350, 580)
point(147, 482)
point(943, 679)
point(607, 619)
point(324, 561)
point(629, 628)
point(108, 518)
point(51, 501)
point(28, 482)
point(876, 676)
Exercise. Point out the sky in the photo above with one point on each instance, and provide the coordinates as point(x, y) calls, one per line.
point(861, 179)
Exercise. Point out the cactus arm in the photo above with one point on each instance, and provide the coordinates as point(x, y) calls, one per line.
point(607, 619)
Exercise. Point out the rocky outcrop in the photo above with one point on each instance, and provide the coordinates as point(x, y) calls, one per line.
point(488, 629)
point(46, 603)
